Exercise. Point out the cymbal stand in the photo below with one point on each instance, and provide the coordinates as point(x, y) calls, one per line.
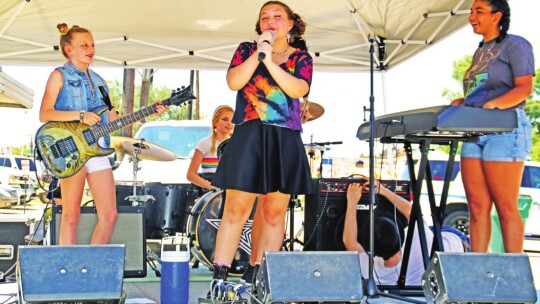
point(137, 200)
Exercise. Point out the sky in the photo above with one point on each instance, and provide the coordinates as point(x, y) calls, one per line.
point(415, 83)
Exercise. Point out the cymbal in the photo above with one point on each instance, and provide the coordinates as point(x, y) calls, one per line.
point(148, 150)
point(313, 147)
point(315, 109)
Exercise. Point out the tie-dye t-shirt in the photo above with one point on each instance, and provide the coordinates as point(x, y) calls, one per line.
point(262, 98)
point(494, 67)
point(210, 160)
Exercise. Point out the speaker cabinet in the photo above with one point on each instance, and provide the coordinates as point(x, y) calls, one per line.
point(309, 277)
point(13, 229)
point(324, 214)
point(50, 274)
point(476, 277)
point(129, 231)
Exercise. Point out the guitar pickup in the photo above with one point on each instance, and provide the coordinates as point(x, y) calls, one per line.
point(89, 137)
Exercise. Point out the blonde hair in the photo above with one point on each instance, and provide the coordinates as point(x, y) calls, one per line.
point(215, 118)
point(66, 35)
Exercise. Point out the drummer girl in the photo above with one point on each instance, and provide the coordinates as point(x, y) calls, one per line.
point(206, 151)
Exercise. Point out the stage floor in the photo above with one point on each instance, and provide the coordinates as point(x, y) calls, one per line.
point(147, 289)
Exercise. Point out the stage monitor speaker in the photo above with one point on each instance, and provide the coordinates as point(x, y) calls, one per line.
point(129, 230)
point(54, 274)
point(476, 277)
point(309, 277)
point(324, 214)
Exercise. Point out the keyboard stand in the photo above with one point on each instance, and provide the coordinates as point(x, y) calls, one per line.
point(416, 181)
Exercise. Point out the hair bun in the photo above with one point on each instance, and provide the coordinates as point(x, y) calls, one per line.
point(62, 28)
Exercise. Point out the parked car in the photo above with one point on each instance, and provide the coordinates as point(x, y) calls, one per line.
point(8, 196)
point(21, 173)
point(457, 209)
point(180, 137)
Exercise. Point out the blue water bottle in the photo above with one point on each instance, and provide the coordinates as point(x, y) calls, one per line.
point(174, 270)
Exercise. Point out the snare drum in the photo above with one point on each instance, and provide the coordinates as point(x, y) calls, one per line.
point(202, 225)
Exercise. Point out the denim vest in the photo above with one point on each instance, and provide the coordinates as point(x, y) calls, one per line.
point(77, 94)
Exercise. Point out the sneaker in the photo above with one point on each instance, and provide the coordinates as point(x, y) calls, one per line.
point(247, 277)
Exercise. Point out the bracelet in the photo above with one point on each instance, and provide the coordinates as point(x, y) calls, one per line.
point(81, 117)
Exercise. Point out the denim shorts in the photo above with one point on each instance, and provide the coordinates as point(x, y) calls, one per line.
point(504, 147)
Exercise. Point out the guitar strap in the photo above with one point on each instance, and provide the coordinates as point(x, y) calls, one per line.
point(106, 98)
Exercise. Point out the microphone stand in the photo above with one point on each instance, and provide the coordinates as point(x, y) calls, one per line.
point(371, 286)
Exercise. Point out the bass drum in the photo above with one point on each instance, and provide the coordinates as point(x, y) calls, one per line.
point(202, 225)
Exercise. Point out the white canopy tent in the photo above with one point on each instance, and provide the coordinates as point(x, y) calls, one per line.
point(203, 34)
point(14, 94)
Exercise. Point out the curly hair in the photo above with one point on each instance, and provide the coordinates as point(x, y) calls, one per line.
point(298, 29)
point(66, 35)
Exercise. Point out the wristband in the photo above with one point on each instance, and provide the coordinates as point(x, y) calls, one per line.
point(81, 118)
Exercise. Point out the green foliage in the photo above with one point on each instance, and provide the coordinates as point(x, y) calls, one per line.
point(161, 93)
point(460, 67)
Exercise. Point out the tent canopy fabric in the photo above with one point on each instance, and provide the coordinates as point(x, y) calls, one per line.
point(183, 34)
point(14, 94)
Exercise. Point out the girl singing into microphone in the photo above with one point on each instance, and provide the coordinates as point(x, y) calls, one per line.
point(265, 155)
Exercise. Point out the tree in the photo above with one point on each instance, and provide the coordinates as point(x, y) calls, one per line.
point(532, 108)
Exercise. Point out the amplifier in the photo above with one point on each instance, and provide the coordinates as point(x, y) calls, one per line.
point(324, 214)
point(13, 229)
point(128, 231)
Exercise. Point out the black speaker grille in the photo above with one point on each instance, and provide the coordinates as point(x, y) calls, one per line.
point(324, 214)
point(129, 230)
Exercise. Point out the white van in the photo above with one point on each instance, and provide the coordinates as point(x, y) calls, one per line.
point(178, 136)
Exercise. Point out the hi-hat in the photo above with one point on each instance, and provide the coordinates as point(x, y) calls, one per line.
point(147, 150)
point(315, 110)
point(313, 147)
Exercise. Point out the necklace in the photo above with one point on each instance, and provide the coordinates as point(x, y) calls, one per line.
point(282, 52)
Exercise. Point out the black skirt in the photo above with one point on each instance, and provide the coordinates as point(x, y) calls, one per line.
point(262, 158)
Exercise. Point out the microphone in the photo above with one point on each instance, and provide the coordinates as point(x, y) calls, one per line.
point(271, 42)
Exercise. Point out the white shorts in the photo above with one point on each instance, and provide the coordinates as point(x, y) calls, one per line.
point(97, 163)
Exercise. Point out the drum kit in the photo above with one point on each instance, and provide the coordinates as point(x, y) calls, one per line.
point(204, 214)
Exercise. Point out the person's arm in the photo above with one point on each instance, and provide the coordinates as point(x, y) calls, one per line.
point(403, 206)
point(457, 102)
point(239, 76)
point(350, 228)
point(522, 89)
point(192, 175)
point(292, 86)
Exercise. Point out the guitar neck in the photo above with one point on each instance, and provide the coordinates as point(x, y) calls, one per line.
point(124, 121)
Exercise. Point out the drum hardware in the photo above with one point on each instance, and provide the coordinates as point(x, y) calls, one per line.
point(288, 244)
point(139, 149)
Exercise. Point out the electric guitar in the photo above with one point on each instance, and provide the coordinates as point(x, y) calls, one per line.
point(65, 147)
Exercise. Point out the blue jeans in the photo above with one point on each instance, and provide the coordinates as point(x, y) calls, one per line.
point(465, 239)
